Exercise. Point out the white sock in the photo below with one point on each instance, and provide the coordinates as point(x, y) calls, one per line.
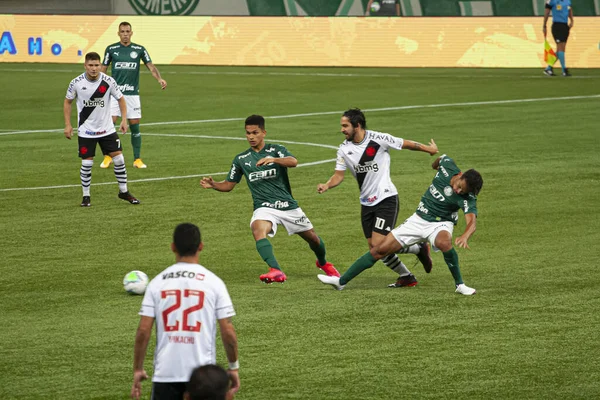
point(86, 176)
point(413, 249)
point(393, 262)
point(120, 172)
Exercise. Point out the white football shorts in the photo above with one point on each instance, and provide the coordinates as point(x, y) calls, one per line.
point(134, 107)
point(415, 230)
point(294, 221)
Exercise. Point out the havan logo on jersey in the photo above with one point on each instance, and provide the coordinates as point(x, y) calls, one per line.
point(258, 175)
point(184, 274)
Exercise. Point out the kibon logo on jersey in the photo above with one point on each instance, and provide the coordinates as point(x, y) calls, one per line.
point(164, 7)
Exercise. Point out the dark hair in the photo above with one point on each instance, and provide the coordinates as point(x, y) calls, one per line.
point(474, 181)
point(208, 382)
point(187, 239)
point(92, 56)
point(356, 117)
point(124, 23)
point(256, 120)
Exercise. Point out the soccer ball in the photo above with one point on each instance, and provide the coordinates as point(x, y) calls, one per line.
point(135, 282)
point(375, 6)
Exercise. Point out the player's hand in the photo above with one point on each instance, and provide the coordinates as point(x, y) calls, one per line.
point(234, 377)
point(163, 84)
point(265, 161)
point(207, 182)
point(136, 388)
point(434, 148)
point(545, 30)
point(462, 242)
point(68, 131)
point(123, 126)
point(322, 188)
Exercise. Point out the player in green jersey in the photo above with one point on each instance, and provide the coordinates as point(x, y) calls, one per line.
point(450, 191)
point(265, 167)
point(124, 58)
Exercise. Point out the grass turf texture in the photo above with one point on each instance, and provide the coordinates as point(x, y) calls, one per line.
point(530, 332)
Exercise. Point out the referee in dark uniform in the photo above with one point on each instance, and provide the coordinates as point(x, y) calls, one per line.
point(562, 22)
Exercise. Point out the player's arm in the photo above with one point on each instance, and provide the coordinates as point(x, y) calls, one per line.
point(430, 148)
point(335, 180)
point(229, 338)
point(288, 162)
point(571, 23)
point(224, 186)
point(462, 240)
point(368, 10)
point(547, 10)
point(104, 68)
point(142, 337)
point(67, 115)
point(156, 74)
point(436, 163)
point(123, 108)
point(398, 8)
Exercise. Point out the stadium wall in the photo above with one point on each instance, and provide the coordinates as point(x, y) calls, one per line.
point(512, 42)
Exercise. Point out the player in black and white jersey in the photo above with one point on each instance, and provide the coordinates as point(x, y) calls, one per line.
point(93, 91)
point(366, 154)
point(186, 302)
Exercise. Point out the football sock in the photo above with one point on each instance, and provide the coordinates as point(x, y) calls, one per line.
point(366, 261)
point(136, 140)
point(413, 249)
point(561, 58)
point(120, 172)
point(395, 264)
point(319, 251)
point(451, 259)
point(265, 249)
point(86, 176)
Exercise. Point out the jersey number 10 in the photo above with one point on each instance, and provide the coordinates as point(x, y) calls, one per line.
point(187, 293)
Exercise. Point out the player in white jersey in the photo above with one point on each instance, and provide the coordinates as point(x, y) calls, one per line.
point(93, 91)
point(185, 302)
point(366, 154)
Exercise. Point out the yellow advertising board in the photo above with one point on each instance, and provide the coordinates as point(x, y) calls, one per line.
point(512, 42)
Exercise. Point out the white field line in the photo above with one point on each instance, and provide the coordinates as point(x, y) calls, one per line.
point(398, 108)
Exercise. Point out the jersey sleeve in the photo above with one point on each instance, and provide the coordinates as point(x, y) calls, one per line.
point(107, 58)
point(71, 91)
point(145, 56)
point(394, 142)
point(224, 306)
point(148, 304)
point(469, 205)
point(550, 3)
point(282, 152)
point(340, 163)
point(448, 164)
point(114, 88)
point(236, 172)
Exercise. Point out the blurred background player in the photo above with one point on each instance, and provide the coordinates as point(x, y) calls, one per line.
point(94, 91)
point(265, 168)
point(562, 22)
point(124, 57)
point(383, 8)
point(180, 300)
point(366, 154)
point(451, 190)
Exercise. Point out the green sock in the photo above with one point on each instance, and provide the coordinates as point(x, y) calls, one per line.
point(451, 259)
point(136, 140)
point(366, 261)
point(264, 248)
point(319, 251)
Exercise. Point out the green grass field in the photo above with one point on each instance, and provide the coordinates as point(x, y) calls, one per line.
point(531, 332)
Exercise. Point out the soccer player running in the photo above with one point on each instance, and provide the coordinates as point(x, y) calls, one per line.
point(94, 92)
point(434, 220)
point(124, 57)
point(366, 154)
point(562, 22)
point(265, 167)
point(186, 302)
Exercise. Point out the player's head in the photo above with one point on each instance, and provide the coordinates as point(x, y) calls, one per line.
point(208, 382)
point(352, 122)
point(255, 131)
point(473, 180)
point(125, 32)
point(92, 65)
point(187, 239)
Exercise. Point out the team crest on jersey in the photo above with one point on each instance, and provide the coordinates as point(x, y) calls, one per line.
point(133, 54)
point(448, 191)
point(102, 89)
point(164, 7)
point(371, 151)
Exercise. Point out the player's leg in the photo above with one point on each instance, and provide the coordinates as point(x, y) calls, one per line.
point(115, 112)
point(111, 145)
point(87, 150)
point(443, 241)
point(134, 114)
point(318, 247)
point(561, 34)
point(263, 224)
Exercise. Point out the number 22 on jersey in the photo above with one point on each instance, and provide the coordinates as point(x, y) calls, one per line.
point(196, 296)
